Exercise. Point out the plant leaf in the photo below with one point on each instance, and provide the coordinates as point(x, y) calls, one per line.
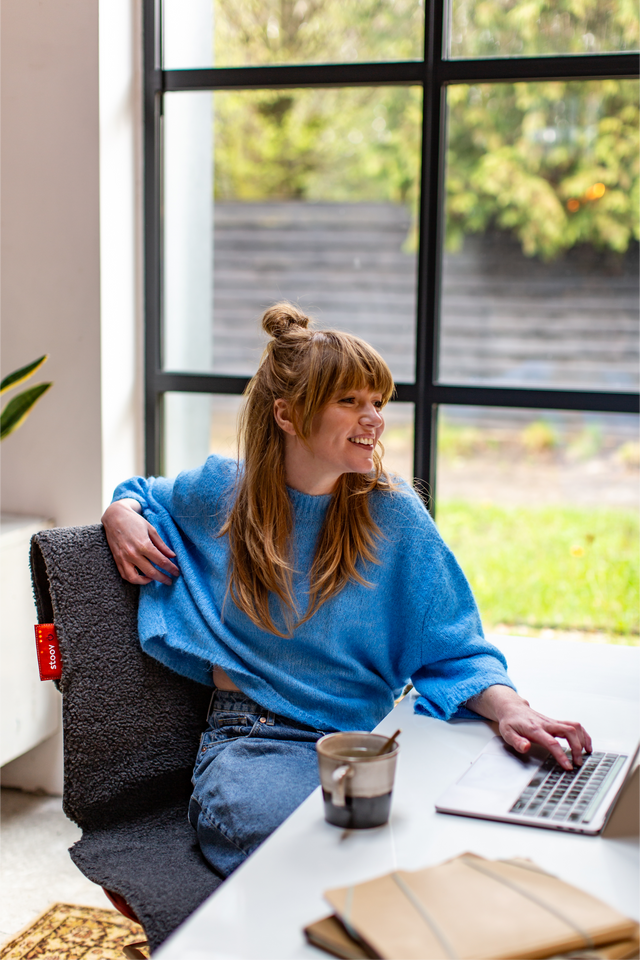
point(19, 408)
point(19, 376)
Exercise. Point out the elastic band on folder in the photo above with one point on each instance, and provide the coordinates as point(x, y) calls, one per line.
point(426, 916)
point(588, 942)
point(346, 919)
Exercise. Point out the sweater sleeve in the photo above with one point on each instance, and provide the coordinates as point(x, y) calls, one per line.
point(457, 661)
point(146, 490)
point(178, 623)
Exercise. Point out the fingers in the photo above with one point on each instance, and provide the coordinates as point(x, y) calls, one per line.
point(533, 727)
point(574, 733)
point(556, 751)
point(147, 570)
point(578, 740)
point(138, 549)
point(150, 552)
point(136, 562)
point(158, 542)
point(521, 744)
point(131, 573)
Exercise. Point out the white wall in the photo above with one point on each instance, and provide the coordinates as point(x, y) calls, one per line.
point(71, 213)
point(50, 249)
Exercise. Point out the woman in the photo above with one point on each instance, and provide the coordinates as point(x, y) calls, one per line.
point(308, 588)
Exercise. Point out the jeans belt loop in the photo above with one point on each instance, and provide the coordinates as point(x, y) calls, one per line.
point(271, 719)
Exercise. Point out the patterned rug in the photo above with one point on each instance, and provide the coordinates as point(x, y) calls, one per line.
point(67, 932)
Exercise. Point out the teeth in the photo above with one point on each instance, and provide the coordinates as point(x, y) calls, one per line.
point(367, 441)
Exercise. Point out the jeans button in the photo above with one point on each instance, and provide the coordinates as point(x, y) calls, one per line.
point(263, 719)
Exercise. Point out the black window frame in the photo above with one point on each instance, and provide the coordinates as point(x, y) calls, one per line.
point(434, 73)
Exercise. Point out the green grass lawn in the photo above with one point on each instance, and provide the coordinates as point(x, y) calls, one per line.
point(568, 568)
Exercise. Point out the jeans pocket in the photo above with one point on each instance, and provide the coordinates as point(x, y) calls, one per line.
point(224, 727)
point(227, 724)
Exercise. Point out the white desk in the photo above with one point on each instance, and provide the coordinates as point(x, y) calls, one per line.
point(261, 910)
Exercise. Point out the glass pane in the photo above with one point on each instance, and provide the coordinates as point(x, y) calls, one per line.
point(397, 439)
point(540, 272)
point(187, 34)
point(198, 424)
point(229, 33)
point(316, 196)
point(517, 28)
point(541, 509)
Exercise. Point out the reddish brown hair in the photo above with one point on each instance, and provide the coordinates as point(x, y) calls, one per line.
point(306, 368)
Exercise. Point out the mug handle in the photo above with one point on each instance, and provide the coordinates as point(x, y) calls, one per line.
point(338, 784)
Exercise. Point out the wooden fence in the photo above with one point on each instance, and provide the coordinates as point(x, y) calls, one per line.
point(505, 319)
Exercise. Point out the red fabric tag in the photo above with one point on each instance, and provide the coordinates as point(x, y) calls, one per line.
point(48, 649)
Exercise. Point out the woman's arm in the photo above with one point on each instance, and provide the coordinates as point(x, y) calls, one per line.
point(520, 726)
point(136, 545)
point(461, 669)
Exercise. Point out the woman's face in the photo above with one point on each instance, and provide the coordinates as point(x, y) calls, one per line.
point(342, 440)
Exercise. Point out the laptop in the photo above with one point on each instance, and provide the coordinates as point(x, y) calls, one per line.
point(533, 789)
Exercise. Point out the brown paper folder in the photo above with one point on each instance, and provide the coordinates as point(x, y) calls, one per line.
point(475, 909)
point(329, 935)
point(622, 950)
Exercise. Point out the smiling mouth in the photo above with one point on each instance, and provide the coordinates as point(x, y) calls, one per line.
point(364, 441)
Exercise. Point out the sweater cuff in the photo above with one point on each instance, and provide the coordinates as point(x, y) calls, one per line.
point(129, 496)
point(454, 708)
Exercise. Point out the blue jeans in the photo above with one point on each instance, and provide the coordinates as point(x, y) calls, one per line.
point(252, 770)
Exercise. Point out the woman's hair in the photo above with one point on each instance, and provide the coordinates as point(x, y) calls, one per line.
point(306, 368)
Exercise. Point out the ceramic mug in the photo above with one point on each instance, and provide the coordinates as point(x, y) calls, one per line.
point(356, 782)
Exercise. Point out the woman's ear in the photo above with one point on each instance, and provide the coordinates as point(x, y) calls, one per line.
point(282, 414)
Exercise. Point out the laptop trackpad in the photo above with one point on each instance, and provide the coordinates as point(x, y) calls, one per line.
point(494, 780)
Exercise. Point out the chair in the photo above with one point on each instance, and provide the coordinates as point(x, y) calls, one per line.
point(131, 731)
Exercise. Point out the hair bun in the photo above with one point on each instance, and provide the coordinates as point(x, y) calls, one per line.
point(283, 317)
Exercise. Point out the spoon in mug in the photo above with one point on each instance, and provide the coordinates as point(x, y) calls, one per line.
point(388, 744)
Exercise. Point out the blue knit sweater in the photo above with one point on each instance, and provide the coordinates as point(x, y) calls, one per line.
point(340, 670)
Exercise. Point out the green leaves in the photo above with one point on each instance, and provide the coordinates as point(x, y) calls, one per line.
point(522, 157)
point(350, 145)
point(513, 28)
point(19, 376)
point(20, 406)
point(556, 163)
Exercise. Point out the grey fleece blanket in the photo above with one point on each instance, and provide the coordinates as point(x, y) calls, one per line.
point(131, 732)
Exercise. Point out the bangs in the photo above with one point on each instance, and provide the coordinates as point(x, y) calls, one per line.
point(342, 362)
point(362, 366)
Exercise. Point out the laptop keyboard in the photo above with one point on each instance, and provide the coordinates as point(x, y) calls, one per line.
point(571, 796)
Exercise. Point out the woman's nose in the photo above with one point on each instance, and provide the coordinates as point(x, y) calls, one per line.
point(371, 414)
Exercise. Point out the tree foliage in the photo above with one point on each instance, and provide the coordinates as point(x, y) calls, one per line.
point(511, 28)
point(554, 163)
point(354, 144)
point(252, 32)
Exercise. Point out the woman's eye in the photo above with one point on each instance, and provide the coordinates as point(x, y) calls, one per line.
point(347, 400)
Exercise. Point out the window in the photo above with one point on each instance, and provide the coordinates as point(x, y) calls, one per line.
point(457, 185)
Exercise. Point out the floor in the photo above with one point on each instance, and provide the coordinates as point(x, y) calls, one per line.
point(35, 867)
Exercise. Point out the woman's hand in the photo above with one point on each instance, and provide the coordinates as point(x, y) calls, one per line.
point(520, 726)
point(136, 545)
